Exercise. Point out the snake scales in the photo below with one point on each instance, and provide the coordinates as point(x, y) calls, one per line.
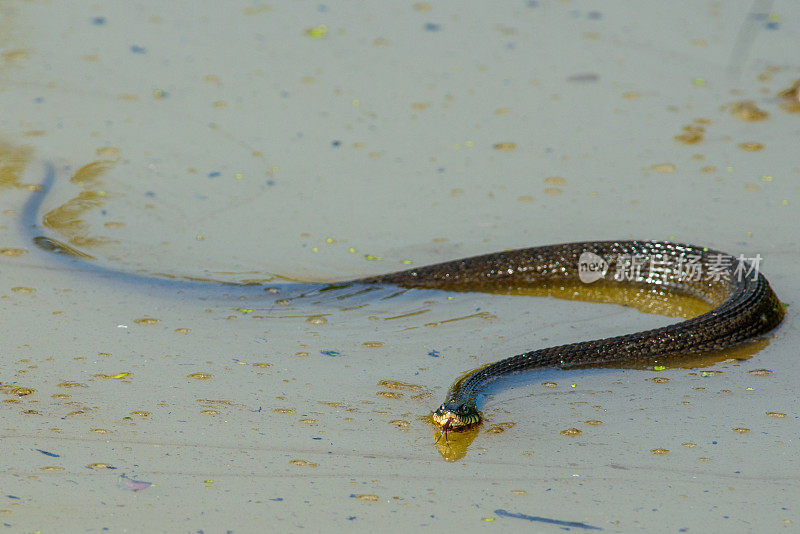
point(744, 305)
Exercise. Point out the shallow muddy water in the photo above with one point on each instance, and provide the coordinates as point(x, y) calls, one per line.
point(178, 184)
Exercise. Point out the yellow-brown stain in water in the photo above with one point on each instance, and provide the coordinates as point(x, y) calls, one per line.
point(21, 391)
point(747, 110)
point(663, 168)
point(68, 219)
point(13, 161)
point(98, 466)
point(751, 146)
point(302, 463)
point(23, 290)
point(505, 146)
point(13, 252)
point(499, 428)
point(790, 98)
point(395, 384)
point(692, 134)
point(200, 376)
point(15, 55)
point(69, 384)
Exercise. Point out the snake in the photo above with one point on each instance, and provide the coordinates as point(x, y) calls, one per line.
point(744, 305)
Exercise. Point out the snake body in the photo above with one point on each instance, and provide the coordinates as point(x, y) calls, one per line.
point(744, 305)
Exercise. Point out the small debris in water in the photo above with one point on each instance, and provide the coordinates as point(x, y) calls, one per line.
point(747, 110)
point(131, 484)
point(499, 428)
point(200, 376)
point(302, 463)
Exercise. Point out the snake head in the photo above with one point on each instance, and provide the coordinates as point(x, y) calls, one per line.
point(452, 416)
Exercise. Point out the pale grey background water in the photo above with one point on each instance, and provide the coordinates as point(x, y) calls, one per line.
point(328, 141)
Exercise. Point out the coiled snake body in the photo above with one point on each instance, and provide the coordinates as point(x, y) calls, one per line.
point(744, 305)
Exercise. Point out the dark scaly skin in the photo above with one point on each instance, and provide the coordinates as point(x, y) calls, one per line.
point(744, 307)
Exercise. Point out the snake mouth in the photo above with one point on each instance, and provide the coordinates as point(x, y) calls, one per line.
point(455, 418)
